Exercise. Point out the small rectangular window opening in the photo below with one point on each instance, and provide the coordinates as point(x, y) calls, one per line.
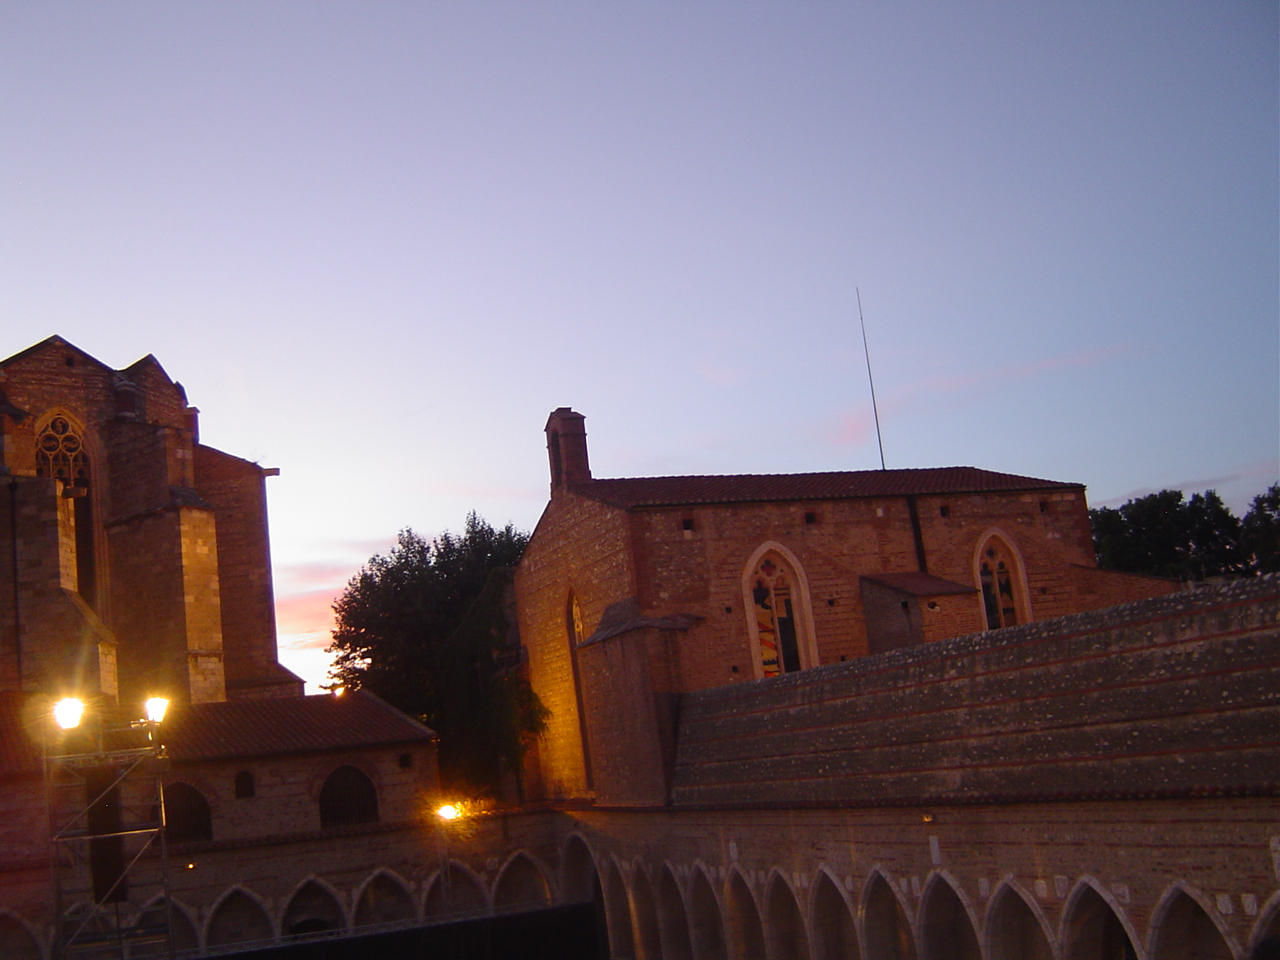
point(810, 516)
point(1044, 506)
point(944, 510)
point(686, 523)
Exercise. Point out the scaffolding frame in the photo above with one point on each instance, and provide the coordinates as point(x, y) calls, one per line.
point(129, 780)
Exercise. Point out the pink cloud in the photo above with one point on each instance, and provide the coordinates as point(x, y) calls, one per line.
point(306, 613)
point(314, 576)
point(852, 428)
point(720, 376)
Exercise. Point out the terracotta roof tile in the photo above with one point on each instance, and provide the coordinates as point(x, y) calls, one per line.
point(235, 728)
point(634, 492)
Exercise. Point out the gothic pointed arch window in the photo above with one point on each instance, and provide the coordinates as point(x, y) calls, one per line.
point(575, 634)
point(61, 455)
point(779, 616)
point(1001, 582)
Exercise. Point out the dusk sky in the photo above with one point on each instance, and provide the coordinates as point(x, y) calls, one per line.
point(379, 242)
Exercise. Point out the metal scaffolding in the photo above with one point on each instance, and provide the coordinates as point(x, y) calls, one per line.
point(107, 853)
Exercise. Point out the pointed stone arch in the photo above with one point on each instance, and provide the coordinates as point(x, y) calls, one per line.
point(785, 931)
point(673, 918)
point(313, 908)
point(742, 924)
point(238, 916)
point(17, 938)
point(521, 884)
point(778, 606)
point(578, 875)
point(1268, 926)
point(886, 925)
point(383, 898)
point(835, 934)
point(948, 930)
point(648, 935)
point(1094, 927)
point(617, 911)
point(1183, 928)
point(706, 922)
point(65, 450)
point(454, 890)
point(1016, 927)
point(154, 917)
point(1000, 574)
point(575, 632)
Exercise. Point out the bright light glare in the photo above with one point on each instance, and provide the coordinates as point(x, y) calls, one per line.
point(156, 707)
point(448, 812)
point(67, 712)
point(339, 691)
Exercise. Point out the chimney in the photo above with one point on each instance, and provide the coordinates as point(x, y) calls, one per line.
point(567, 448)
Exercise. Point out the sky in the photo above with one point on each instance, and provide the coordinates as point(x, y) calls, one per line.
point(379, 241)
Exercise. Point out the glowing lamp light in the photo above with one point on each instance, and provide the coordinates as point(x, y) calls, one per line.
point(156, 708)
point(67, 713)
point(339, 691)
point(448, 812)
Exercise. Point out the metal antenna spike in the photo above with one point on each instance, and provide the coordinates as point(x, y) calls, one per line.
point(867, 353)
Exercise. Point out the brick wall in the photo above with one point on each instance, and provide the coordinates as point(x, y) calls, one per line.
point(235, 489)
point(1172, 696)
point(579, 549)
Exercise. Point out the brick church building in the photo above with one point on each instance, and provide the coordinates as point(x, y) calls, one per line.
point(895, 714)
point(735, 579)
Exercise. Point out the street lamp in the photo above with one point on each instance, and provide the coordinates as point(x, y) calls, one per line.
point(67, 712)
point(156, 707)
point(448, 812)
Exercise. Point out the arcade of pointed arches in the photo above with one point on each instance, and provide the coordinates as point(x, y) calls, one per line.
point(702, 912)
point(706, 912)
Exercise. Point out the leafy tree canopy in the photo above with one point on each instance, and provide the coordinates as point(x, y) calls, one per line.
point(430, 629)
point(1167, 535)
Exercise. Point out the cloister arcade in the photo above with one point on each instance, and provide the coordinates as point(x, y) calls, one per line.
point(705, 912)
point(702, 911)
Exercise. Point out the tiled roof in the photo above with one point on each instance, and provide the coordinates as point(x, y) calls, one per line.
point(240, 728)
point(755, 488)
point(919, 584)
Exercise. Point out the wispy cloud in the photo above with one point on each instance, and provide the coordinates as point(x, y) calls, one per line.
point(295, 577)
point(855, 426)
point(1236, 489)
point(719, 375)
point(479, 491)
point(306, 613)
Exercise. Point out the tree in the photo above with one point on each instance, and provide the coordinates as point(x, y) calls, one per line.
point(1166, 536)
point(1260, 533)
point(430, 629)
